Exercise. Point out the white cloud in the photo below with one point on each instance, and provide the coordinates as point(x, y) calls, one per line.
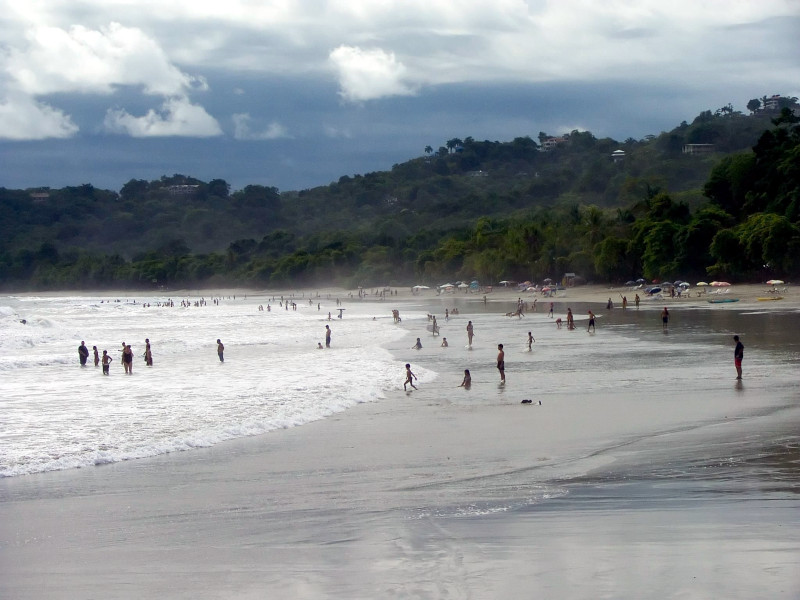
point(177, 117)
point(369, 74)
point(243, 131)
point(22, 118)
point(94, 61)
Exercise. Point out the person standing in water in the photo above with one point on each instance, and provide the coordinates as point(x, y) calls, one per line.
point(106, 362)
point(127, 359)
point(501, 363)
point(409, 378)
point(327, 336)
point(83, 353)
point(96, 356)
point(148, 354)
point(738, 356)
point(665, 319)
point(466, 383)
point(530, 341)
point(470, 333)
point(221, 351)
point(591, 322)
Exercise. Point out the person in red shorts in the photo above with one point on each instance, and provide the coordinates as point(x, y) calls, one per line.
point(738, 355)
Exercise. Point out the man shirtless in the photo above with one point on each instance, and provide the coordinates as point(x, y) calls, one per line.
point(501, 363)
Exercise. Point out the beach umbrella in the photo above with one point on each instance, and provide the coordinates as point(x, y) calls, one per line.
point(653, 290)
point(548, 280)
point(640, 280)
point(420, 287)
point(775, 282)
point(701, 284)
point(720, 284)
point(463, 285)
point(684, 284)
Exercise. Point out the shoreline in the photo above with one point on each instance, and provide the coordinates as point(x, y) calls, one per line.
point(439, 492)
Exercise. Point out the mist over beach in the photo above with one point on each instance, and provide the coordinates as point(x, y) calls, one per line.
point(647, 471)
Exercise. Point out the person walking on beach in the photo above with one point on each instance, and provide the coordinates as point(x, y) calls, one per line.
point(127, 359)
point(501, 363)
point(409, 378)
point(96, 356)
point(83, 353)
point(470, 333)
point(591, 322)
point(327, 336)
point(530, 341)
point(466, 383)
point(106, 362)
point(636, 301)
point(665, 319)
point(220, 351)
point(738, 356)
point(148, 354)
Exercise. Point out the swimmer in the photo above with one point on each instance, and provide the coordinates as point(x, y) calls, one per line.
point(444, 343)
point(417, 346)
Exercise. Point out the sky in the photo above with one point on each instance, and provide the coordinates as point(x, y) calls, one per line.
point(297, 93)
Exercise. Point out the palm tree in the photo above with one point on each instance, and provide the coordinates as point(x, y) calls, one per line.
point(428, 149)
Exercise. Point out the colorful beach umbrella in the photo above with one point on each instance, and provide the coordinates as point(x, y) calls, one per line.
point(775, 282)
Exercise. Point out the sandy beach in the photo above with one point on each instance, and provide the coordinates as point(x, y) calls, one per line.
point(444, 493)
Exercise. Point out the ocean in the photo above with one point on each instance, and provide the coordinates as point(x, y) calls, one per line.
point(58, 415)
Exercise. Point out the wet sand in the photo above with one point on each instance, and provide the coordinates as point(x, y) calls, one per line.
point(443, 493)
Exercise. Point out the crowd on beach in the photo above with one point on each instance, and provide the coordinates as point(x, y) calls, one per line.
point(522, 306)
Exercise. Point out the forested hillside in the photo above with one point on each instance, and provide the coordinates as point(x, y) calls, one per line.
point(604, 209)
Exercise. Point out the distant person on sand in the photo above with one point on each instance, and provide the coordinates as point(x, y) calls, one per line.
point(466, 383)
point(83, 353)
point(738, 356)
point(417, 346)
point(96, 356)
point(501, 363)
point(220, 351)
point(127, 359)
point(327, 336)
point(470, 333)
point(591, 322)
point(106, 362)
point(409, 378)
point(664, 319)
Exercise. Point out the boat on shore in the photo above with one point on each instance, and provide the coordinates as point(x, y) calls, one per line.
point(769, 298)
point(721, 300)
